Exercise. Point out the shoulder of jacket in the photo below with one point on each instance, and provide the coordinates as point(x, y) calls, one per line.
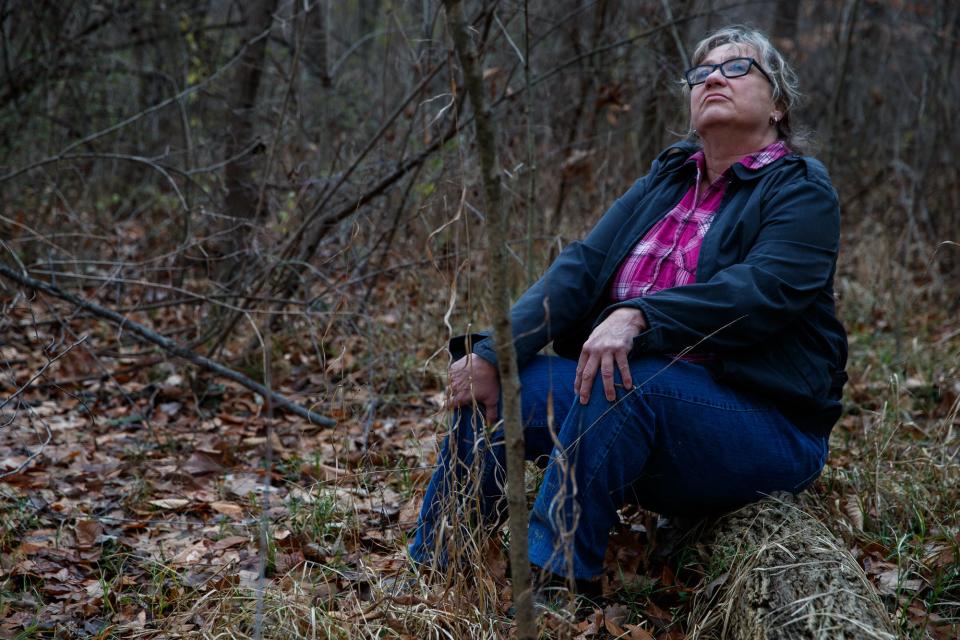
point(816, 171)
point(672, 158)
point(792, 170)
point(678, 152)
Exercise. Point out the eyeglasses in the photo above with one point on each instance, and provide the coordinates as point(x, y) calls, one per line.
point(732, 68)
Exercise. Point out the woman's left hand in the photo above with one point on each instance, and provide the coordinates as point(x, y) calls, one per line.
point(608, 345)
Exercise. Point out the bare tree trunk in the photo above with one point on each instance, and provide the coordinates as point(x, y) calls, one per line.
point(503, 334)
point(838, 92)
point(241, 199)
point(785, 24)
point(587, 81)
point(317, 47)
point(367, 20)
point(653, 125)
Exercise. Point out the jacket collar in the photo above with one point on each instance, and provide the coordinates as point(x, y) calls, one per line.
point(674, 158)
point(745, 174)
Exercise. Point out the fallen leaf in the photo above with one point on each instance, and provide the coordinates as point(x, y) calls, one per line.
point(590, 625)
point(613, 628)
point(638, 633)
point(230, 541)
point(227, 508)
point(854, 512)
point(249, 579)
point(889, 582)
point(655, 612)
point(288, 561)
point(87, 532)
point(616, 613)
point(170, 503)
point(200, 464)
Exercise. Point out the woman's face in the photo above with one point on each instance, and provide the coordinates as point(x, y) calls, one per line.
point(721, 104)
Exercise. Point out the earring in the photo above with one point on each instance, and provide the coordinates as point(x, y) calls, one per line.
point(774, 120)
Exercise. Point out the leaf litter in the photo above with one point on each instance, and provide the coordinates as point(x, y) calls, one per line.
point(142, 514)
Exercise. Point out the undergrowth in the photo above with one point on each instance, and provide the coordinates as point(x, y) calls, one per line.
point(343, 501)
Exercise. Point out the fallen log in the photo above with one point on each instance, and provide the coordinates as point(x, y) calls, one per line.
point(148, 335)
point(784, 576)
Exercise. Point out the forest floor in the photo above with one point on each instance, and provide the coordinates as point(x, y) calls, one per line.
point(162, 502)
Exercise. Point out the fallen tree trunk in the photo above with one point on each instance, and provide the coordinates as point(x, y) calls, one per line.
point(786, 576)
point(168, 345)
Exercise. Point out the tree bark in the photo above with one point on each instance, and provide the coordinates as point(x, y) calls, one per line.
point(785, 24)
point(499, 260)
point(241, 199)
point(317, 49)
point(786, 576)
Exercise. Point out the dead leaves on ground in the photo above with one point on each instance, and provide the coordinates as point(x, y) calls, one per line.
point(140, 505)
point(148, 502)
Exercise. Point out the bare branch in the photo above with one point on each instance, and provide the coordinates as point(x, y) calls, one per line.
point(166, 344)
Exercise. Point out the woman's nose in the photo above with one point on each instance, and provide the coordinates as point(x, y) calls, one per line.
point(715, 77)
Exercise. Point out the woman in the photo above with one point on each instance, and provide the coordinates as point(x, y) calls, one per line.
point(700, 360)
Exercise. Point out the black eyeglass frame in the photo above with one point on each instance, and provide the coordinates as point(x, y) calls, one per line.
point(720, 65)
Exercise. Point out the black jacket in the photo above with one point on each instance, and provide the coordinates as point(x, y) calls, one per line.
point(762, 303)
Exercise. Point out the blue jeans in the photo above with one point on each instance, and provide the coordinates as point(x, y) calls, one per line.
point(678, 444)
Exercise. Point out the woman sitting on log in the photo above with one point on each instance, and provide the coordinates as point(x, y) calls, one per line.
point(700, 360)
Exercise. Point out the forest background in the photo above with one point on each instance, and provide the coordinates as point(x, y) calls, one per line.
point(210, 209)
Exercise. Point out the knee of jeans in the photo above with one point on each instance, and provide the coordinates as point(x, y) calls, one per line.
point(470, 436)
point(598, 394)
point(467, 424)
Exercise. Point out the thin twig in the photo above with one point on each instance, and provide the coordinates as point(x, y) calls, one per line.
point(41, 371)
point(23, 465)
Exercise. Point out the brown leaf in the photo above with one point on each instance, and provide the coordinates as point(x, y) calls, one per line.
point(495, 561)
point(613, 628)
point(288, 561)
point(170, 503)
point(87, 532)
point(228, 509)
point(229, 541)
point(853, 511)
point(200, 464)
point(590, 625)
point(655, 612)
point(638, 633)
point(938, 555)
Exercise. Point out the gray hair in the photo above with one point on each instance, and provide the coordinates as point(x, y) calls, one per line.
point(786, 93)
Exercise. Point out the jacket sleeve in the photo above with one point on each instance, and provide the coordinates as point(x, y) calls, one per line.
point(791, 261)
point(568, 290)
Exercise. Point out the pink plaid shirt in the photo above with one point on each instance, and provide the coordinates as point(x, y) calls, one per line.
point(667, 255)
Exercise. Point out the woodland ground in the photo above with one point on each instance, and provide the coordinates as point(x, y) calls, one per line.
point(162, 502)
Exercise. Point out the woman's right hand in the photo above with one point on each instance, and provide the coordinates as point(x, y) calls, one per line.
point(472, 378)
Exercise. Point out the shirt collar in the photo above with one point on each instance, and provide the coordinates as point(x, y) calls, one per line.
point(754, 160)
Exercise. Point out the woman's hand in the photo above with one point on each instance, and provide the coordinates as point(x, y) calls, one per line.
point(609, 344)
point(472, 378)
